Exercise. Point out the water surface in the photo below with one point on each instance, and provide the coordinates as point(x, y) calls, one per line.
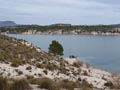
point(100, 51)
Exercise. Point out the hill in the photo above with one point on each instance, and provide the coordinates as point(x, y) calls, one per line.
point(7, 23)
point(63, 29)
point(20, 59)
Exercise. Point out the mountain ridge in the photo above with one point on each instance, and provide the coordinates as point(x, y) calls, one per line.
point(7, 23)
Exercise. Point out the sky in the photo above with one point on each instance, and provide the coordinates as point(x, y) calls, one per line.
point(76, 12)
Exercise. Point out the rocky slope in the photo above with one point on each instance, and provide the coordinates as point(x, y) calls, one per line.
point(20, 59)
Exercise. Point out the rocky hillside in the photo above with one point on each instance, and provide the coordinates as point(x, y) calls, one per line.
point(7, 23)
point(20, 59)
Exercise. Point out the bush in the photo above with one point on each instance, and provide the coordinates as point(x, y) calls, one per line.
point(28, 68)
point(85, 73)
point(86, 86)
point(20, 72)
point(45, 71)
point(39, 65)
point(35, 81)
point(56, 48)
point(16, 62)
point(3, 83)
point(46, 83)
point(51, 66)
point(109, 84)
point(14, 65)
point(77, 64)
point(21, 85)
point(70, 85)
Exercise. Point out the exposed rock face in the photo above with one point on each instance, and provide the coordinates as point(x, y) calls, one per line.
point(7, 23)
point(18, 59)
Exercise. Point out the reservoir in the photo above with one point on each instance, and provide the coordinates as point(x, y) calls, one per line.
point(99, 51)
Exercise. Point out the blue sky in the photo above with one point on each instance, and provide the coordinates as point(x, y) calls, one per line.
point(76, 12)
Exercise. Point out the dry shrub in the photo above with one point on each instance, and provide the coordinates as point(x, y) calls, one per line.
point(21, 85)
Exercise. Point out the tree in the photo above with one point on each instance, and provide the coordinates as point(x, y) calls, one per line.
point(56, 48)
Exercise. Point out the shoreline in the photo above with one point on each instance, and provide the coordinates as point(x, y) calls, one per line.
point(102, 34)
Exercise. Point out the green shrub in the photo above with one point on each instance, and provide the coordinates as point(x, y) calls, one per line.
point(2, 57)
point(39, 65)
point(16, 62)
point(56, 48)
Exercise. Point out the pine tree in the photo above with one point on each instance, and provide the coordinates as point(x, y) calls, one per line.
point(56, 48)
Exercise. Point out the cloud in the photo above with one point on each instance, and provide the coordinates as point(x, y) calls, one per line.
point(60, 11)
point(117, 2)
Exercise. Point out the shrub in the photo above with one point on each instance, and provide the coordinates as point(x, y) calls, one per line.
point(45, 71)
point(20, 72)
point(51, 66)
point(69, 85)
point(46, 83)
point(29, 77)
point(3, 83)
point(109, 84)
point(77, 64)
point(56, 48)
point(86, 86)
point(39, 65)
point(14, 65)
point(21, 85)
point(28, 68)
point(16, 62)
point(85, 73)
point(35, 80)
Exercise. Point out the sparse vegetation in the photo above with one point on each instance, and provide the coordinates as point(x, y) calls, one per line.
point(19, 55)
point(3, 83)
point(46, 84)
point(69, 85)
point(20, 85)
point(51, 66)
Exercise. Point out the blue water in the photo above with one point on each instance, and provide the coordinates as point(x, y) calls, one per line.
point(100, 51)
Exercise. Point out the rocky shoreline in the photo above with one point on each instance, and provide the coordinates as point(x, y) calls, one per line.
point(66, 33)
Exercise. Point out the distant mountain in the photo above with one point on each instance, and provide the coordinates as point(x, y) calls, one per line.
point(7, 23)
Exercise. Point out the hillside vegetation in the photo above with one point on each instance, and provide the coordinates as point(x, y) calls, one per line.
point(27, 67)
point(64, 28)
